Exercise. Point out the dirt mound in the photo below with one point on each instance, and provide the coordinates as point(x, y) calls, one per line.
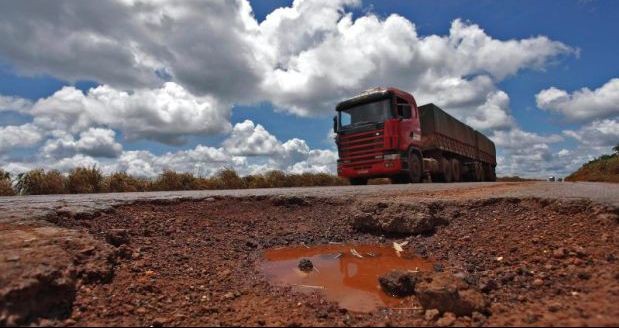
point(396, 218)
point(447, 293)
point(603, 169)
point(42, 269)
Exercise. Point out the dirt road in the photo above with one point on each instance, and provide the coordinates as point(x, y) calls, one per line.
point(532, 253)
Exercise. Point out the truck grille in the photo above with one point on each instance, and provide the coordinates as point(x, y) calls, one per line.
point(360, 150)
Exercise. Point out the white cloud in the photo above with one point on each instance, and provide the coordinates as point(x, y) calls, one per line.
point(522, 140)
point(248, 139)
point(18, 136)
point(95, 142)
point(14, 104)
point(98, 147)
point(303, 58)
point(584, 104)
point(166, 114)
point(604, 133)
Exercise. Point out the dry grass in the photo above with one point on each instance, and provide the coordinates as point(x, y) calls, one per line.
point(91, 180)
point(6, 186)
point(39, 182)
point(602, 169)
point(85, 180)
point(122, 182)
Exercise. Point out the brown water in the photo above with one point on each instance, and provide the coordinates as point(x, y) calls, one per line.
point(350, 280)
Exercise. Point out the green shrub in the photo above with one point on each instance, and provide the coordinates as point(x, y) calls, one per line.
point(83, 180)
point(39, 182)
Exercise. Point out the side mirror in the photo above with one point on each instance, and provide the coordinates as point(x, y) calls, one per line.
point(335, 124)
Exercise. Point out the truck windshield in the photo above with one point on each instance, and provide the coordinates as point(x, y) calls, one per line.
point(373, 112)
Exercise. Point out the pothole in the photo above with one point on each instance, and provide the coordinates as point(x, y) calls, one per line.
point(345, 273)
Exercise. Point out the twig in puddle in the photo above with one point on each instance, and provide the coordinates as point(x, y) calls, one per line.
point(310, 286)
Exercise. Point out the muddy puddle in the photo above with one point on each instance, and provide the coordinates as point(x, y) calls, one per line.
point(346, 274)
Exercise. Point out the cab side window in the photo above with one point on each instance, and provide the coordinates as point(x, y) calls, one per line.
point(404, 109)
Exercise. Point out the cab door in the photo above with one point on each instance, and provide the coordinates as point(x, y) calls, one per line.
point(410, 131)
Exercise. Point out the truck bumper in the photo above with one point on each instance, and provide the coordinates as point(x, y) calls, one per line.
point(384, 168)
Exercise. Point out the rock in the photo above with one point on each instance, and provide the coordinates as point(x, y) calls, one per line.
point(559, 253)
point(487, 285)
point(478, 319)
point(538, 282)
point(447, 293)
point(447, 320)
point(306, 265)
point(438, 267)
point(584, 275)
point(431, 314)
point(396, 219)
point(117, 237)
point(159, 322)
point(398, 283)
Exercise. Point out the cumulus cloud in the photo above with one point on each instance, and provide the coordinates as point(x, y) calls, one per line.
point(14, 104)
point(249, 140)
point(95, 142)
point(165, 114)
point(293, 58)
point(18, 136)
point(604, 133)
point(98, 147)
point(584, 104)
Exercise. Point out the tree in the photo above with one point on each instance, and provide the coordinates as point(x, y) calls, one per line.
point(616, 148)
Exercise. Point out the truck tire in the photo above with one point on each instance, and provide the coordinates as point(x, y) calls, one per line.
point(415, 167)
point(446, 174)
point(490, 173)
point(399, 179)
point(482, 174)
point(456, 170)
point(358, 181)
point(477, 173)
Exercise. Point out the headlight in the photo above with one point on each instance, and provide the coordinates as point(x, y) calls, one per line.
point(392, 156)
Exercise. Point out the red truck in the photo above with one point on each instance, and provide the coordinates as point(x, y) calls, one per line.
point(382, 133)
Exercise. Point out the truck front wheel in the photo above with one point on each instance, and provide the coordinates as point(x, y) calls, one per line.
point(415, 167)
point(358, 181)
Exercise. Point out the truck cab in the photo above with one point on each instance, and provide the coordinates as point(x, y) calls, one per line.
point(383, 133)
point(375, 131)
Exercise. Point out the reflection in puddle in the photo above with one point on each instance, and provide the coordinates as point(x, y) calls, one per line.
point(347, 274)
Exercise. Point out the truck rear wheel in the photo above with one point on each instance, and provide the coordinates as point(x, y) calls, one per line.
point(480, 173)
point(456, 171)
point(415, 167)
point(446, 174)
point(358, 181)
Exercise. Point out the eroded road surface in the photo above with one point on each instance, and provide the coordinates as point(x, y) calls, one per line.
point(488, 253)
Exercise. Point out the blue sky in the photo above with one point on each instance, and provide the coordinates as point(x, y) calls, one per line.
point(582, 52)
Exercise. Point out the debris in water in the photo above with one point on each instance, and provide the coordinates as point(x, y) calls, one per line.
point(349, 280)
point(398, 247)
point(355, 253)
point(306, 265)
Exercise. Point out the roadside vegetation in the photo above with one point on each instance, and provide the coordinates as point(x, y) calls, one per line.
point(91, 180)
point(602, 169)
